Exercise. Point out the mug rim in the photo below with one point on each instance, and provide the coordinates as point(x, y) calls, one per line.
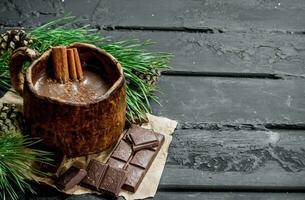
point(115, 85)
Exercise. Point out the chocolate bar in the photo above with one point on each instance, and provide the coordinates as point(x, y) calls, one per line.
point(105, 178)
point(141, 138)
point(135, 176)
point(70, 178)
point(137, 164)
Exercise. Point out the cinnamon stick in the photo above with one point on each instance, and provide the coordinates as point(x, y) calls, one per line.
point(78, 65)
point(60, 64)
point(72, 65)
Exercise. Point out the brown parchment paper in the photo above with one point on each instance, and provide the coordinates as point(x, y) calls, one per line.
point(150, 183)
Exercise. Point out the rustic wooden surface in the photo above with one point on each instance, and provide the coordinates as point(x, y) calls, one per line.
point(236, 87)
point(234, 52)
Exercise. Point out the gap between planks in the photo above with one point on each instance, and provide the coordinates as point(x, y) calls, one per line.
point(240, 126)
point(206, 30)
point(230, 74)
point(231, 188)
point(160, 28)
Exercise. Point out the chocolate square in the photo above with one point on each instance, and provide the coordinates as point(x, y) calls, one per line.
point(116, 163)
point(123, 151)
point(142, 138)
point(143, 158)
point(141, 135)
point(95, 173)
point(70, 178)
point(113, 181)
point(135, 176)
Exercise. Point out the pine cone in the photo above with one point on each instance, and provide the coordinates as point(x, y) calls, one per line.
point(150, 77)
point(11, 40)
point(10, 118)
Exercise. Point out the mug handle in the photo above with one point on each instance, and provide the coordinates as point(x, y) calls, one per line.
point(18, 57)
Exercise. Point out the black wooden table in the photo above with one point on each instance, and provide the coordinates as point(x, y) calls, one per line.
point(236, 87)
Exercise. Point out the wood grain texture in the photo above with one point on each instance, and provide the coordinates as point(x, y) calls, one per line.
point(235, 160)
point(32, 13)
point(237, 15)
point(231, 100)
point(218, 145)
point(172, 195)
point(226, 196)
point(226, 52)
point(221, 14)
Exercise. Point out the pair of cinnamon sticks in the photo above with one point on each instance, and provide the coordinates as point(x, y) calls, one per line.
point(66, 64)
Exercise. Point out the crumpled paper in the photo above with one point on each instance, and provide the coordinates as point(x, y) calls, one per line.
point(148, 186)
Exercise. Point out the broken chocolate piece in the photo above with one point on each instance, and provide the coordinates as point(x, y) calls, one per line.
point(123, 151)
point(95, 173)
point(141, 135)
point(145, 146)
point(142, 138)
point(113, 181)
point(70, 178)
point(135, 176)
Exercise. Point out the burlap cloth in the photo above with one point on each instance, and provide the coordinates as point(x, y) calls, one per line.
point(150, 183)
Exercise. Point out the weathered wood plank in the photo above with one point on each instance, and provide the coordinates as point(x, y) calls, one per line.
point(210, 196)
point(31, 13)
point(220, 14)
point(229, 52)
point(197, 195)
point(48, 193)
point(210, 14)
point(231, 100)
point(227, 196)
point(229, 159)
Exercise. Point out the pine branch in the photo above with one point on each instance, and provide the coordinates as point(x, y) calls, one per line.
point(16, 159)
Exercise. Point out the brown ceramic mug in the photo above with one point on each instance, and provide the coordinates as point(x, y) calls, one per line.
point(75, 129)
